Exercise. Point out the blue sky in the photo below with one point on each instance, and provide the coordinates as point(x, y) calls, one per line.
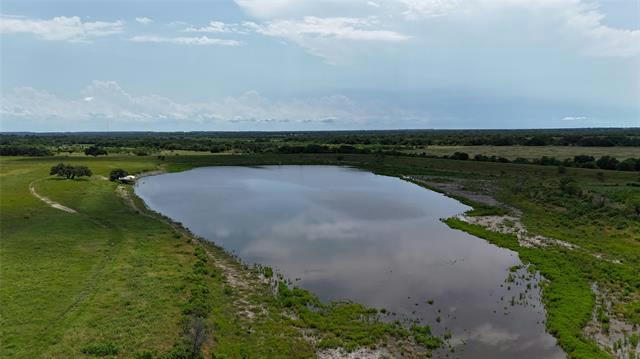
point(318, 64)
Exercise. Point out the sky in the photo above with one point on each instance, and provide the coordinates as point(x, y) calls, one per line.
point(273, 65)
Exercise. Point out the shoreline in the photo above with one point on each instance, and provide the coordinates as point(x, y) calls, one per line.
point(236, 270)
point(481, 209)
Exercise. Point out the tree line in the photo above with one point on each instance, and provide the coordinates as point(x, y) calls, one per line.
point(24, 150)
point(270, 141)
point(579, 161)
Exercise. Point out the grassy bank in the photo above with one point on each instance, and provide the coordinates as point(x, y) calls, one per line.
point(112, 280)
point(115, 280)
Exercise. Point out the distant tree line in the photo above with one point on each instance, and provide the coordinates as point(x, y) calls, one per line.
point(147, 142)
point(22, 150)
point(580, 161)
point(315, 148)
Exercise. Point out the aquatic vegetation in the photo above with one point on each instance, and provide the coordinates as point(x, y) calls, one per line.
point(346, 325)
point(567, 295)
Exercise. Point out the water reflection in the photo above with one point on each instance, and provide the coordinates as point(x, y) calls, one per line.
point(350, 234)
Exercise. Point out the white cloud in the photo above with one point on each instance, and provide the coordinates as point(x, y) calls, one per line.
point(574, 118)
point(416, 9)
point(576, 24)
point(216, 27)
point(562, 23)
point(340, 28)
point(201, 40)
point(25, 105)
point(325, 37)
point(60, 28)
point(144, 20)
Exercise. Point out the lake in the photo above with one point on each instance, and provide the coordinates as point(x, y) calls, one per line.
point(344, 233)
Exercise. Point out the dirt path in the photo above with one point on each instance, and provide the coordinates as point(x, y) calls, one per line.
point(46, 200)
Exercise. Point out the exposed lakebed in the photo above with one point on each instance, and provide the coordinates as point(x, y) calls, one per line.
point(349, 234)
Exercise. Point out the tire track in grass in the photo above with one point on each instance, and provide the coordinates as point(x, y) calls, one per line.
point(48, 201)
point(114, 245)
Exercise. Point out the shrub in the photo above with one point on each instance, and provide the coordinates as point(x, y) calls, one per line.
point(607, 163)
point(459, 156)
point(570, 186)
point(548, 161)
point(580, 159)
point(95, 151)
point(145, 354)
point(101, 349)
point(630, 164)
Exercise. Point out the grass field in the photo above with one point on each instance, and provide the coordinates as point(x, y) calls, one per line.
point(533, 152)
point(110, 280)
point(113, 280)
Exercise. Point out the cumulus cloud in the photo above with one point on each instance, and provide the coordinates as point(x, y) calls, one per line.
point(107, 100)
point(415, 9)
point(341, 28)
point(561, 22)
point(60, 28)
point(326, 37)
point(198, 40)
point(144, 20)
point(216, 27)
point(572, 24)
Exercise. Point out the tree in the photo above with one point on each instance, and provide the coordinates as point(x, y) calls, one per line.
point(607, 163)
point(95, 151)
point(70, 172)
point(81, 171)
point(117, 173)
point(583, 159)
point(459, 156)
point(549, 161)
point(630, 164)
point(61, 170)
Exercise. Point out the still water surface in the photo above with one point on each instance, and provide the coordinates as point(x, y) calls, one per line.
point(349, 234)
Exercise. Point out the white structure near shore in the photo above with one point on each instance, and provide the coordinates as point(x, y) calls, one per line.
point(127, 179)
